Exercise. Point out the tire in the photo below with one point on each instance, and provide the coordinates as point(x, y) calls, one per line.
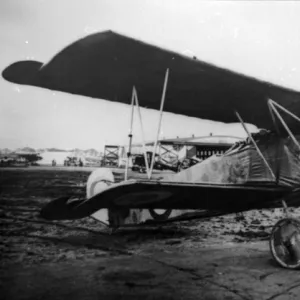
point(160, 217)
point(284, 247)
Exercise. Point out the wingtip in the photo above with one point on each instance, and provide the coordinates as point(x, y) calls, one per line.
point(21, 72)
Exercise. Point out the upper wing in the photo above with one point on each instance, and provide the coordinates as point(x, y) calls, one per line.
point(106, 65)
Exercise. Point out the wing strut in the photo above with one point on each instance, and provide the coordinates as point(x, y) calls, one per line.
point(142, 129)
point(135, 101)
point(255, 145)
point(273, 106)
point(160, 119)
point(130, 134)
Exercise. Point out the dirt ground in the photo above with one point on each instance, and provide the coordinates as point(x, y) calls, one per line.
point(223, 258)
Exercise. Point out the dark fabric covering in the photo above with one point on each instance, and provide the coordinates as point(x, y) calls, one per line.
point(106, 65)
point(226, 198)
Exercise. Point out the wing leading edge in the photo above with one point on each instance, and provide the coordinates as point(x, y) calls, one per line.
point(106, 65)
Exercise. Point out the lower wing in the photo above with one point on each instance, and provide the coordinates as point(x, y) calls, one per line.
point(166, 195)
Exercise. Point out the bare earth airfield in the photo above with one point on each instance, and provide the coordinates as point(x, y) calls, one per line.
point(222, 258)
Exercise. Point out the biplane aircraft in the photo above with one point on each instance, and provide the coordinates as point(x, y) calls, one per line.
point(260, 172)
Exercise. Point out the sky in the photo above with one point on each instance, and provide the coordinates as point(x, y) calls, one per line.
point(259, 39)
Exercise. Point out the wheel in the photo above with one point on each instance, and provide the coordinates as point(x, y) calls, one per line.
point(160, 214)
point(285, 243)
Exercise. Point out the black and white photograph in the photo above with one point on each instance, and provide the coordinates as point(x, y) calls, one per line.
point(149, 149)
